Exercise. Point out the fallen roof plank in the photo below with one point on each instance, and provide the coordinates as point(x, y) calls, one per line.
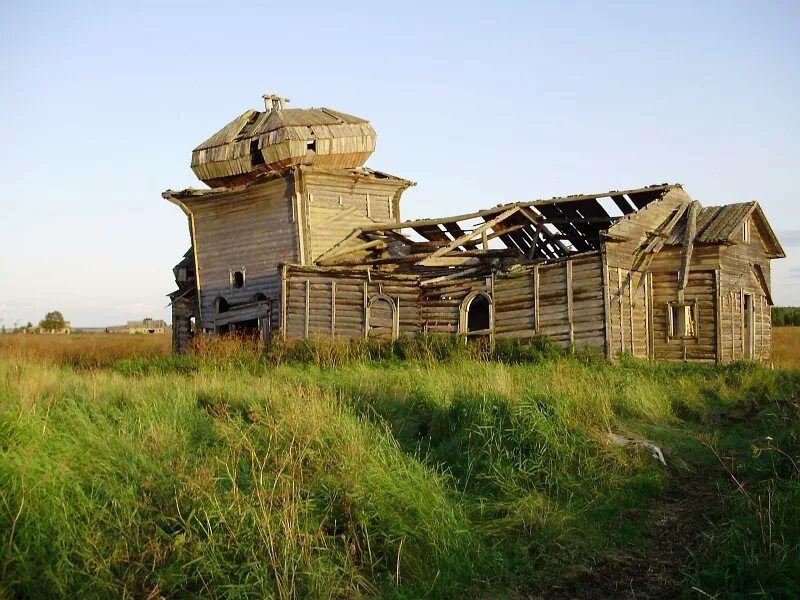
point(469, 236)
point(654, 189)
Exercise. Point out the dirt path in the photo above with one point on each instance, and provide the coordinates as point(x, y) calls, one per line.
point(656, 568)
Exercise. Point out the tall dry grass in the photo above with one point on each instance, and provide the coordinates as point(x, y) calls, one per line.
point(89, 350)
point(786, 347)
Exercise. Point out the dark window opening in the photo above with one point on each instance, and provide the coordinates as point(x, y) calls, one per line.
point(311, 145)
point(222, 306)
point(256, 158)
point(260, 298)
point(478, 317)
point(682, 320)
point(237, 279)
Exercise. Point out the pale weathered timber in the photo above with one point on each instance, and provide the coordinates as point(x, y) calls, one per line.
point(300, 238)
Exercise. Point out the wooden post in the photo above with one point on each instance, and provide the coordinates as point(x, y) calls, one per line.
point(648, 297)
point(536, 298)
point(733, 333)
point(366, 309)
point(369, 208)
point(333, 309)
point(630, 309)
point(741, 311)
point(569, 303)
point(606, 301)
point(761, 301)
point(193, 232)
point(308, 307)
point(619, 298)
point(718, 315)
point(284, 299)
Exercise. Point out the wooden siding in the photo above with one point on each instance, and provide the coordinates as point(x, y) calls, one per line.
point(336, 204)
point(562, 300)
point(738, 277)
point(628, 307)
point(700, 289)
point(321, 304)
point(253, 230)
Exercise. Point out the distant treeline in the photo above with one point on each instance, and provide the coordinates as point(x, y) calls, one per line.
point(785, 316)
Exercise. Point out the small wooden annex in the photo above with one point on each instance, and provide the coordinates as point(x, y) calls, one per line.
point(297, 238)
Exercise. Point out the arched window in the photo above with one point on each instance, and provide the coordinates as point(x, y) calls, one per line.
point(221, 305)
point(477, 315)
point(260, 297)
point(382, 320)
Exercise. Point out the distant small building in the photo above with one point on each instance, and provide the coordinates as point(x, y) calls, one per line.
point(147, 326)
point(65, 330)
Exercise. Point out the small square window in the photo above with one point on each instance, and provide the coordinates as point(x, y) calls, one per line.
point(682, 319)
point(311, 145)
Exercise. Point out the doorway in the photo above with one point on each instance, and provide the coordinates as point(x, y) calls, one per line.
point(747, 331)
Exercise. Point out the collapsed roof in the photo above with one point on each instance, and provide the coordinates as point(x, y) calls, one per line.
point(530, 232)
point(534, 231)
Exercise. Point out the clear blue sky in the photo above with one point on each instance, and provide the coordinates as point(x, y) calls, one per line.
point(480, 103)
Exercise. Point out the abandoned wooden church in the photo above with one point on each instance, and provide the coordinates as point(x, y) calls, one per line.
point(296, 238)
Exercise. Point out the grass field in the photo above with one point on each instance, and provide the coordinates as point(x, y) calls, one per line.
point(125, 472)
point(786, 347)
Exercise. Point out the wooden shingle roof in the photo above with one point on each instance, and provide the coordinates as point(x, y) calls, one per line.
point(720, 225)
point(257, 142)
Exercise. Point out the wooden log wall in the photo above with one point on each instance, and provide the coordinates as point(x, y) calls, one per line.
point(629, 298)
point(335, 204)
point(183, 309)
point(440, 308)
point(562, 300)
point(569, 298)
point(738, 277)
point(701, 289)
point(322, 304)
point(252, 229)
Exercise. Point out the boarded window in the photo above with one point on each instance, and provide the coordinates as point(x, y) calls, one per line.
point(381, 319)
point(682, 319)
point(746, 231)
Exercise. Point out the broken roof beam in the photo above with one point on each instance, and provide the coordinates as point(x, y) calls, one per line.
point(477, 232)
point(623, 204)
point(575, 235)
point(432, 233)
point(596, 217)
point(641, 199)
point(558, 247)
point(373, 245)
point(455, 230)
point(573, 213)
point(688, 247)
